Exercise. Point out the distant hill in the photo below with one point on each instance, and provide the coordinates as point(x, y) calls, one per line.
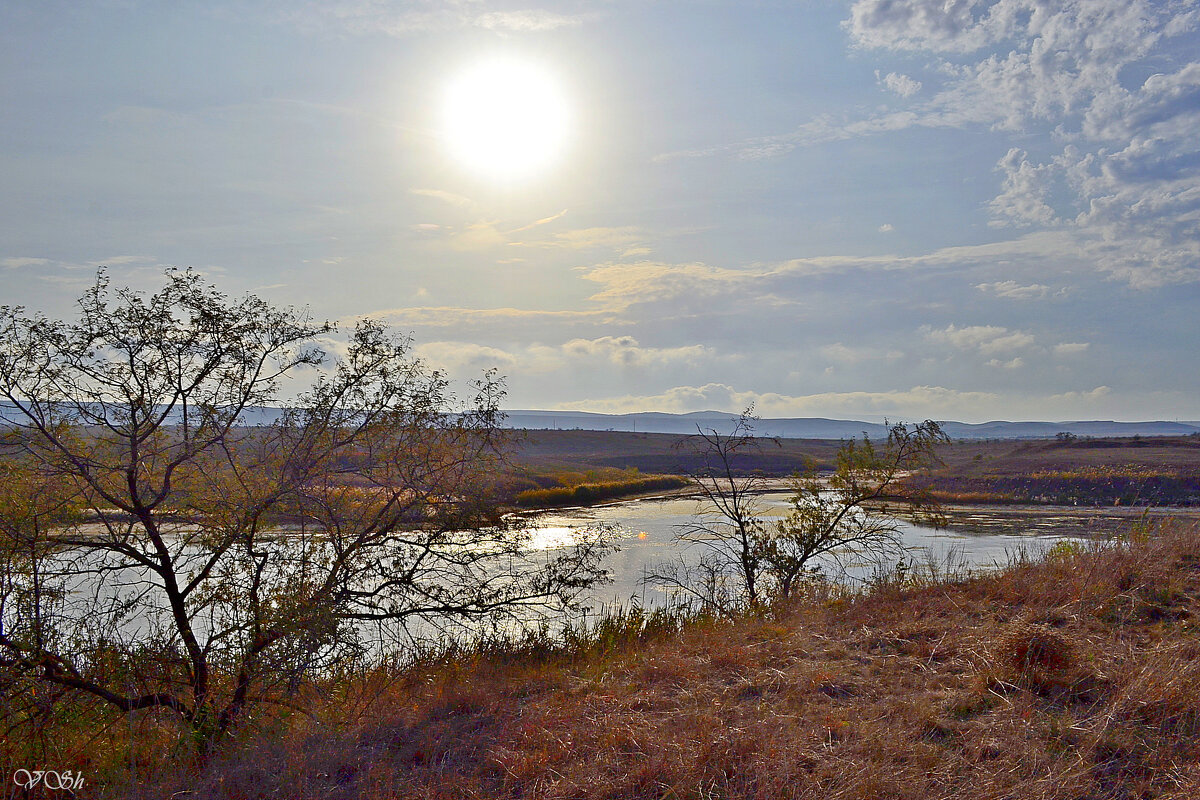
point(821, 428)
point(251, 415)
point(786, 428)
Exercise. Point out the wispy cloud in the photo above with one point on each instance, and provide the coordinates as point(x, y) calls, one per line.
point(844, 354)
point(402, 18)
point(452, 317)
point(529, 20)
point(648, 281)
point(1014, 290)
point(19, 262)
point(1071, 348)
point(624, 239)
point(446, 197)
point(626, 283)
point(917, 402)
point(121, 261)
point(611, 355)
point(540, 222)
point(493, 234)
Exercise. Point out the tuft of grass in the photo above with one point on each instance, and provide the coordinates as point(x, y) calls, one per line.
point(1037, 657)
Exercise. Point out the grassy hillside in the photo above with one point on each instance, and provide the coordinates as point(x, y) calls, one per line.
point(1124, 471)
point(1108, 471)
point(1076, 676)
point(659, 453)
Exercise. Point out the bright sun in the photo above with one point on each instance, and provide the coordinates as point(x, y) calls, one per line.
point(505, 119)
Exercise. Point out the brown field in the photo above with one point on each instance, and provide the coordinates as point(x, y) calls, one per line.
point(1108, 471)
point(660, 453)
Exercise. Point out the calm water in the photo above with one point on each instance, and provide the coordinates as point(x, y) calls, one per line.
point(647, 529)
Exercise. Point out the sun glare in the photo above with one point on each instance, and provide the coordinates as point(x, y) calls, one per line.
point(505, 119)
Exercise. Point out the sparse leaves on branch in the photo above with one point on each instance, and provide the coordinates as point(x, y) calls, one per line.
point(747, 557)
point(226, 555)
point(850, 511)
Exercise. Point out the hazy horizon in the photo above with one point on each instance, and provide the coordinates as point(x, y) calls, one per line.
point(874, 419)
point(976, 210)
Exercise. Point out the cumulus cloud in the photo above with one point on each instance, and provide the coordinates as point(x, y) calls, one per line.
point(459, 356)
point(1015, 290)
point(1022, 199)
point(987, 339)
point(1073, 398)
point(625, 351)
point(1071, 348)
point(902, 85)
point(1126, 173)
point(918, 24)
point(1129, 165)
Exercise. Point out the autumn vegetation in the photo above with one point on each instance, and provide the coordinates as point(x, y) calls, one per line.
point(597, 491)
point(163, 551)
point(1129, 472)
point(1126, 472)
point(1066, 675)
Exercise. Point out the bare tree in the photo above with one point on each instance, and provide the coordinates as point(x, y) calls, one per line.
point(174, 550)
point(851, 511)
point(728, 527)
point(748, 557)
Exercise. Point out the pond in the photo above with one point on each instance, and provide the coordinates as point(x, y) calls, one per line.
point(977, 537)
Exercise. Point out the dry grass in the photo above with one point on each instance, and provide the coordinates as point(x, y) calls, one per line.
point(1076, 676)
point(1155, 471)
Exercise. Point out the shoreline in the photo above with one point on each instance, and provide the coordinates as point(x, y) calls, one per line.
point(1000, 508)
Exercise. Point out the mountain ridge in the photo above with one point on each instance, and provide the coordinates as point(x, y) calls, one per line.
point(827, 428)
point(782, 427)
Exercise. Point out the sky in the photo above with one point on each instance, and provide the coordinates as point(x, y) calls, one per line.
point(948, 209)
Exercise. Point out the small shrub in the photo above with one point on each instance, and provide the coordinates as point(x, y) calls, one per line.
point(1039, 658)
point(585, 493)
